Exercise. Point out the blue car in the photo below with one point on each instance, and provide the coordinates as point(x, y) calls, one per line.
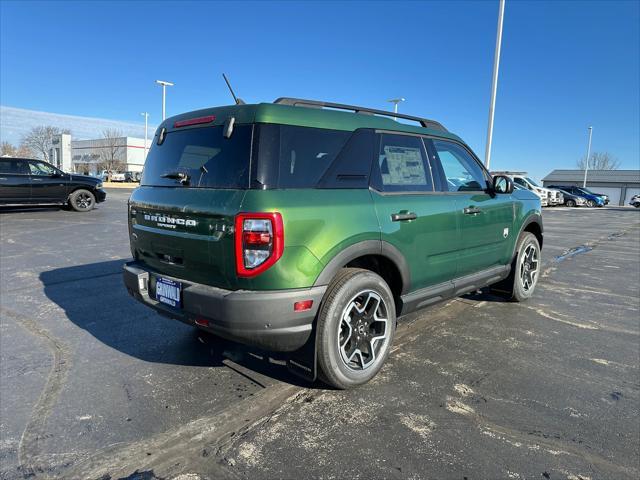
point(592, 199)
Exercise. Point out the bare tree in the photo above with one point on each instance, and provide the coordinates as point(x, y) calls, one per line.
point(23, 152)
point(599, 161)
point(7, 150)
point(39, 140)
point(111, 152)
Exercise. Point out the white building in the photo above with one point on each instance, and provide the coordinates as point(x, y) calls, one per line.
point(87, 155)
point(60, 152)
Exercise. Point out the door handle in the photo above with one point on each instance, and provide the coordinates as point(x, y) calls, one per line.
point(472, 211)
point(36, 179)
point(399, 217)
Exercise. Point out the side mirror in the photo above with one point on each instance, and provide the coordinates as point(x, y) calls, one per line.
point(56, 175)
point(502, 184)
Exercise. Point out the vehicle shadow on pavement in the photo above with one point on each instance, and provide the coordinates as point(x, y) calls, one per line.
point(25, 209)
point(95, 299)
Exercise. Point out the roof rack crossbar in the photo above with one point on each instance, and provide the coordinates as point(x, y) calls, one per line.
point(299, 102)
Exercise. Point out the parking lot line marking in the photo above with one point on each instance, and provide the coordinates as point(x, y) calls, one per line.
point(544, 314)
point(567, 286)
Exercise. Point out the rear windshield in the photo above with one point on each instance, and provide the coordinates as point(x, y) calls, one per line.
point(200, 157)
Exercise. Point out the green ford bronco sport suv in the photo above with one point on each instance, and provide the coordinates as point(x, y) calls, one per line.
point(310, 227)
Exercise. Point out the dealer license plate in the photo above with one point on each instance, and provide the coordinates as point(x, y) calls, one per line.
point(168, 292)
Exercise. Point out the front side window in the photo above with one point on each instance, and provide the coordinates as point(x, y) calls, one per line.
point(462, 172)
point(402, 165)
point(520, 182)
point(532, 182)
point(200, 157)
point(13, 166)
point(38, 168)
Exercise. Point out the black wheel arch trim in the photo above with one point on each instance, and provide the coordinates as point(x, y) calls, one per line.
point(533, 218)
point(360, 249)
point(89, 188)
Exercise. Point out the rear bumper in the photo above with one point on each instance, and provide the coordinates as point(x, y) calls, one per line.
point(265, 319)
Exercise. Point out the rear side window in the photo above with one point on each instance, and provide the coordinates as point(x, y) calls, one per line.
point(352, 167)
point(200, 157)
point(295, 157)
point(461, 171)
point(13, 166)
point(402, 165)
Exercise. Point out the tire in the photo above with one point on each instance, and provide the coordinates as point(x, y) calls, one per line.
point(513, 286)
point(351, 346)
point(591, 203)
point(82, 200)
point(570, 203)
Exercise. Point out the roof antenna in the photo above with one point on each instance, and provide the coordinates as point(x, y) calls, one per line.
point(238, 101)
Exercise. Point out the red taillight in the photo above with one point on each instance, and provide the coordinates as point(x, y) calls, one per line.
point(255, 238)
point(259, 242)
point(194, 121)
point(302, 306)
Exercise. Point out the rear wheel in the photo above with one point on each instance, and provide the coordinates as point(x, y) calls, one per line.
point(570, 203)
point(356, 327)
point(82, 200)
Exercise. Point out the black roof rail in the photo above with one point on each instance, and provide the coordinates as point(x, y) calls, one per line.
point(299, 102)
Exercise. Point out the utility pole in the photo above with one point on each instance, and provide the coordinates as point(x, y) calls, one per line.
point(146, 129)
point(395, 102)
point(164, 94)
point(586, 164)
point(494, 85)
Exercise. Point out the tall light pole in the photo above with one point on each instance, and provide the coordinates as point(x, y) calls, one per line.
point(146, 129)
point(164, 94)
point(395, 102)
point(494, 85)
point(586, 164)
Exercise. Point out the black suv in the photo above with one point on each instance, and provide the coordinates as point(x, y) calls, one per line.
point(33, 182)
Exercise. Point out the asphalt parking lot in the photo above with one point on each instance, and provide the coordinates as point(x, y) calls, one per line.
point(94, 385)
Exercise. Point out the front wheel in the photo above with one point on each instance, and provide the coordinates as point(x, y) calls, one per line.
point(525, 270)
point(356, 327)
point(591, 203)
point(82, 200)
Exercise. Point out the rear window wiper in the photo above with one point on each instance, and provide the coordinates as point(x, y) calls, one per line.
point(181, 176)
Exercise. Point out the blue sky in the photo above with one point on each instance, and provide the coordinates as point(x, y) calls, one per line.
point(564, 65)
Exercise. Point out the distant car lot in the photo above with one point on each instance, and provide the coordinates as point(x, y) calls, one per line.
point(96, 385)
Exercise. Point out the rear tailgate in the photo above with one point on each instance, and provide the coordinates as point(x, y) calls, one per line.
point(186, 232)
point(182, 216)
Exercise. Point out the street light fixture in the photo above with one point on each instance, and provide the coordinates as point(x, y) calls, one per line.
point(164, 94)
point(586, 164)
point(146, 127)
point(395, 102)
